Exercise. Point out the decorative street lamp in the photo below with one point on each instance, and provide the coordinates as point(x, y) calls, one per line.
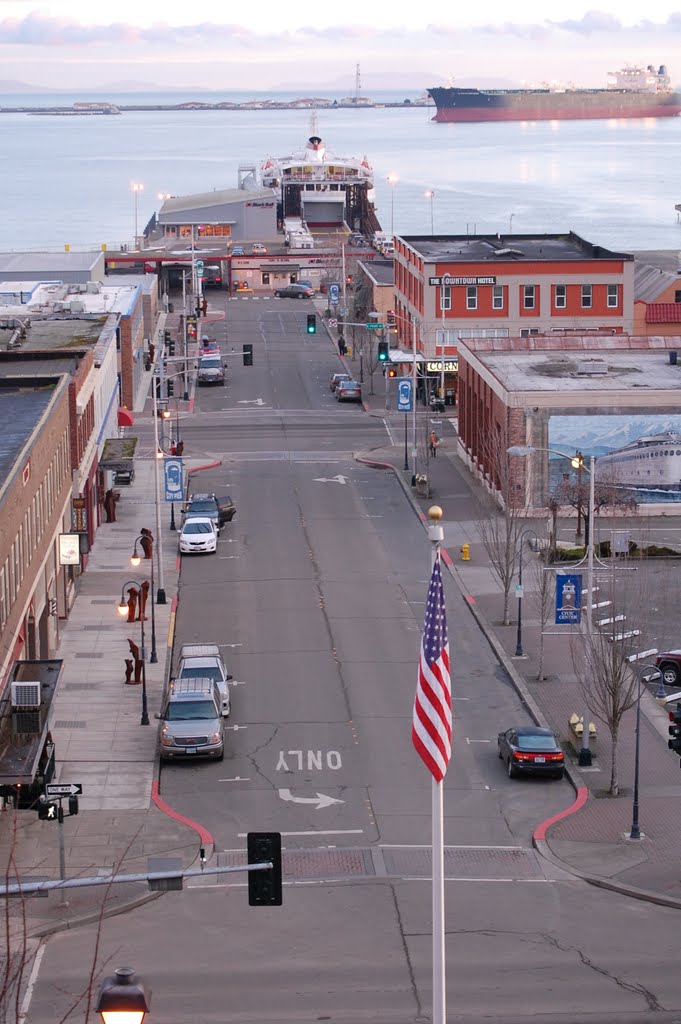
point(519, 632)
point(393, 179)
point(123, 610)
point(136, 188)
point(645, 674)
point(123, 999)
point(135, 560)
point(430, 194)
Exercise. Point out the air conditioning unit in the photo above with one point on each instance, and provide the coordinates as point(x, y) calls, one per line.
point(26, 694)
point(77, 307)
point(26, 723)
point(586, 367)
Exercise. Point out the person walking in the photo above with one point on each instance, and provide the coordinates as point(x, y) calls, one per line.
point(341, 345)
point(434, 442)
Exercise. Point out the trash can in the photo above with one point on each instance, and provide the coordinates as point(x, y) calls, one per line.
point(171, 307)
point(673, 357)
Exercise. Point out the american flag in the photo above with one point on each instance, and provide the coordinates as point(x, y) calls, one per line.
point(431, 730)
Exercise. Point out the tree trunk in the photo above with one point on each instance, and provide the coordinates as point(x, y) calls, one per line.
point(507, 601)
point(540, 669)
point(614, 776)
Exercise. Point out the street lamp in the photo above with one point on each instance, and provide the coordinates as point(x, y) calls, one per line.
point(528, 449)
point(519, 632)
point(430, 195)
point(123, 999)
point(123, 610)
point(135, 561)
point(393, 179)
point(136, 189)
point(645, 674)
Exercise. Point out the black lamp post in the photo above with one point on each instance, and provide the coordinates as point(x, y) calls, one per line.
point(647, 674)
point(123, 999)
point(123, 610)
point(135, 561)
point(519, 629)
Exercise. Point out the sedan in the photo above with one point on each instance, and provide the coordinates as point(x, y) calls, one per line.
point(348, 391)
point(238, 250)
point(258, 249)
point(337, 378)
point(294, 291)
point(198, 536)
point(669, 664)
point(530, 750)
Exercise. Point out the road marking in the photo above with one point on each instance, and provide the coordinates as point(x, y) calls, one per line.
point(455, 878)
point(311, 832)
point(320, 799)
point(237, 778)
point(477, 741)
point(236, 682)
point(33, 977)
point(339, 479)
point(230, 645)
point(236, 728)
point(387, 427)
point(227, 558)
point(251, 401)
point(607, 622)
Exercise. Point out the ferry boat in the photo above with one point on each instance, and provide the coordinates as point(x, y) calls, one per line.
point(321, 189)
point(633, 92)
point(651, 462)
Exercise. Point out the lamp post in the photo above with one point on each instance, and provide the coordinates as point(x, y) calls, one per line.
point(524, 451)
point(123, 998)
point(134, 562)
point(645, 674)
point(393, 179)
point(136, 189)
point(123, 610)
point(519, 631)
point(160, 593)
point(430, 194)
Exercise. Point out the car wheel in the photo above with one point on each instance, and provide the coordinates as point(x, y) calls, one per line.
point(559, 775)
point(277, 295)
point(301, 296)
point(221, 756)
point(670, 673)
point(511, 769)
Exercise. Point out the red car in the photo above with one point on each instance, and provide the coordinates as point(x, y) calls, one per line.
point(209, 345)
point(669, 664)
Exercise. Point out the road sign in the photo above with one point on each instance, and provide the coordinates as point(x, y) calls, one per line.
point(374, 326)
point(172, 469)
point(333, 322)
point(334, 294)
point(404, 396)
point(199, 267)
point(63, 789)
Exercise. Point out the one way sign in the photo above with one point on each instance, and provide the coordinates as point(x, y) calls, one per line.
point(63, 789)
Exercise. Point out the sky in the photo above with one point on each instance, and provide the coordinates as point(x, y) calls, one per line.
point(271, 44)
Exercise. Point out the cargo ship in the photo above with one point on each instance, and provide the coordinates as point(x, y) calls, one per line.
point(632, 92)
point(651, 462)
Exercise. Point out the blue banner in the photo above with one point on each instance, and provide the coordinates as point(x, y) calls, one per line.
point(174, 478)
point(568, 598)
point(404, 396)
point(334, 294)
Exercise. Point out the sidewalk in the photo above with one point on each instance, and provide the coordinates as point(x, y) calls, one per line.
point(95, 724)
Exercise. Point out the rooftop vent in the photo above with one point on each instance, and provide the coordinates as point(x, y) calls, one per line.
point(587, 367)
point(26, 694)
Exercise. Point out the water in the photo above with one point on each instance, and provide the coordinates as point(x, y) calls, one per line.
point(68, 178)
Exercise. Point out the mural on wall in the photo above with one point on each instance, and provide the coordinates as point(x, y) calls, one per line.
point(640, 454)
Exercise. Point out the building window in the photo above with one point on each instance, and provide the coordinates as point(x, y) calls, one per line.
point(526, 332)
point(445, 297)
point(677, 296)
point(586, 296)
point(613, 296)
point(265, 278)
point(561, 296)
point(528, 296)
point(472, 297)
point(498, 296)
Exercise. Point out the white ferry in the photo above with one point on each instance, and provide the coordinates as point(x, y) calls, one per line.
point(322, 189)
point(651, 462)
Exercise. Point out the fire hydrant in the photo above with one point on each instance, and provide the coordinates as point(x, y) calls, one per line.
point(465, 552)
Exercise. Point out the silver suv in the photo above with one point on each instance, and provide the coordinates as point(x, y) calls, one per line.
point(192, 722)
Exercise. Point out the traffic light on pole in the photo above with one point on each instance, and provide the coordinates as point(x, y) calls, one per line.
point(383, 351)
point(311, 323)
point(392, 372)
point(264, 887)
point(674, 743)
point(47, 810)
point(390, 318)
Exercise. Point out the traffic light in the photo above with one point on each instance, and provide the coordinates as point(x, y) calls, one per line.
point(248, 354)
point(73, 805)
point(47, 810)
point(264, 887)
point(674, 743)
point(383, 351)
point(392, 372)
point(311, 323)
point(390, 318)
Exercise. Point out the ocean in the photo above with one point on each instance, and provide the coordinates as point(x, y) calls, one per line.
point(67, 180)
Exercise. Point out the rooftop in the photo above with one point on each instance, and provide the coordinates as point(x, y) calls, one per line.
point(49, 300)
point(47, 264)
point(650, 281)
point(507, 248)
point(21, 406)
point(220, 197)
point(381, 272)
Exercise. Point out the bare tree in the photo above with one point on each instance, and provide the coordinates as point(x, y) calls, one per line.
point(544, 583)
point(609, 499)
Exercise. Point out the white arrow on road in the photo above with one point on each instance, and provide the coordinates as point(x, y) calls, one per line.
point(251, 401)
point(340, 479)
point(320, 799)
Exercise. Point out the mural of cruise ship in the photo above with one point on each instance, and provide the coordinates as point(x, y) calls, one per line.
point(651, 462)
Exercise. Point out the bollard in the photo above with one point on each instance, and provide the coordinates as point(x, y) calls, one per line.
point(465, 552)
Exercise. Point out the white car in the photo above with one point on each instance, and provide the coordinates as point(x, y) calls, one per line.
point(203, 661)
point(198, 536)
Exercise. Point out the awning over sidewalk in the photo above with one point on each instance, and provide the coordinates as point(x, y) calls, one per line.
point(24, 726)
point(125, 417)
point(118, 454)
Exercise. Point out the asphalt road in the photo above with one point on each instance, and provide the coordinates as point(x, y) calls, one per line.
point(316, 596)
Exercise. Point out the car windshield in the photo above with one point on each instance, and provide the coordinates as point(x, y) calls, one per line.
point(194, 526)
point(202, 673)
point(202, 506)
point(185, 710)
point(210, 363)
point(536, 743)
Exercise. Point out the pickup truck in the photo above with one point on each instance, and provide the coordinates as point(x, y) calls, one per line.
point(211, 369)
point(203, 661)
point(208, 506)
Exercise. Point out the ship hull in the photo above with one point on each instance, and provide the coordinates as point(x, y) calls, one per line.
point(473, 105)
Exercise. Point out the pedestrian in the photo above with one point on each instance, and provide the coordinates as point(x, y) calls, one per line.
point(341, 345)
point(110, 506)
point(179, 448)
point(434, 442)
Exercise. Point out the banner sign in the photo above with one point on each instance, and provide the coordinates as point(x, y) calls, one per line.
point(404, 396)
point(568, 598)
point(435, 366)
point(446, 281)
point(78, 515)
point(174, 478)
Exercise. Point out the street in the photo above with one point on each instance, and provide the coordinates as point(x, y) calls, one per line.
point(316, 598)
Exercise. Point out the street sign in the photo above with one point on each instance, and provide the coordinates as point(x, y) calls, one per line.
point(63, 789)
point(374, 326)
point(333, 322)
point(199, 267)
point(404, 396)
point(172, 469)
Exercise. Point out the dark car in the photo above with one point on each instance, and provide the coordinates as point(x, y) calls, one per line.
point(337, 378)
point(669, 664)
point(294, 291)
point(208, 506)
point(530, 750)
point(348, 391)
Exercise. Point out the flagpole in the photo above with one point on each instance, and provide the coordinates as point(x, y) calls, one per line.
point(435, 536)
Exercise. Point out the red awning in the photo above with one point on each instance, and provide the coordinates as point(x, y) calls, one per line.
point(125, 417)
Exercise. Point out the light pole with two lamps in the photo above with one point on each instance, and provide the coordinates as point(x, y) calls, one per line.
point(645, 674)
point(123, 609)
point(136, 188)
point(393, 179)
point(519, 632)
point(135, 560)
point(430, 194)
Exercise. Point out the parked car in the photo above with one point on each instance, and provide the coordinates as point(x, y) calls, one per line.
point(208, 506)
point(203, 661)
point(258, 249)
point(294, 291)
point(211, 369)
point(337, 378)
point(238, 250)
point(209, 345)
point(192, 723)
point(307, 284)
point(348, 391)
point(198, 536)
point(669, 664)
point(530, 750)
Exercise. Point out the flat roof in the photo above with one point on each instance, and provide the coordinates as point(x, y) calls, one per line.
point(51, 299)
point(38, 264)
point(381, 272)
point(201, 200)
point(511, 248)
point(21, 406)
point(57, 332)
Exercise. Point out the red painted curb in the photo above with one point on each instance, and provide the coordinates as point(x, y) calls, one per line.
point(209, 465)
point(446, 557)
point(203, 833)
point(579, 801)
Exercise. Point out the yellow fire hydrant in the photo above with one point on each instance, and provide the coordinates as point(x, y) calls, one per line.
point(465, 552)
